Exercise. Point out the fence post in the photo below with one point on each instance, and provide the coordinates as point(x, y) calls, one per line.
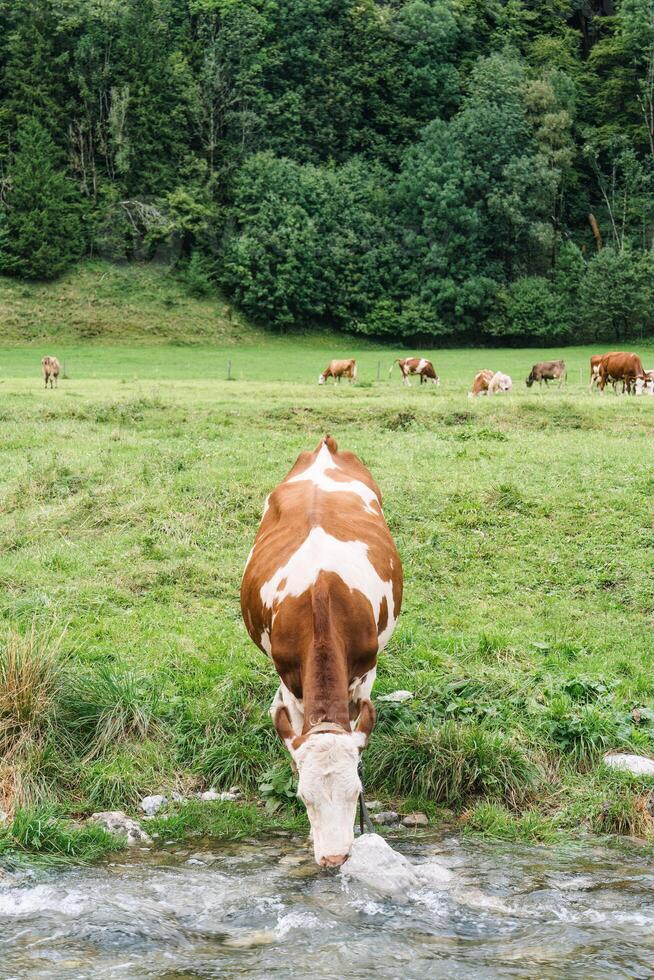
point(378, 370)
point(229, 370)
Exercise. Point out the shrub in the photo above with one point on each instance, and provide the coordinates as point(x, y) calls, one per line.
point(32, 682)
point(451, 764)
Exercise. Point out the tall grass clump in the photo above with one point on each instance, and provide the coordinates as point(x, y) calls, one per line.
point(39, 830)
point(450, 764)
point(32, 685)
point(107, 707)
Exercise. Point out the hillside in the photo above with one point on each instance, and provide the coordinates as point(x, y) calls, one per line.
point(107, 303)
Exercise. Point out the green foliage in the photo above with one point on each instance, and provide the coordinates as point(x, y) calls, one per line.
point(40, 232)
point(38, 829)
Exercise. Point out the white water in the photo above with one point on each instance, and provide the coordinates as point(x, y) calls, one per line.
point(262, 909)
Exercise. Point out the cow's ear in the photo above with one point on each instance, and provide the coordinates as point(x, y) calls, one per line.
point(366, 723)
point(284, 728)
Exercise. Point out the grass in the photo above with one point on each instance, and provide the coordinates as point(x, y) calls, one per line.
point(129, 498)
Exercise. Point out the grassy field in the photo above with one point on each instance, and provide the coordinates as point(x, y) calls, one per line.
point(129, 500)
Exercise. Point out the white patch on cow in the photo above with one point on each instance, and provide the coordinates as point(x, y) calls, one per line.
point(318, 475)
point(321, 379)
point(321, 552)
point(361, 687)
point(265, 642)
point(422, 364)
point(266, 505)
point(284, 698)
point(329, 787)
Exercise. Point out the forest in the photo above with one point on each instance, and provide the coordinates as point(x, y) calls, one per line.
point(458, 171)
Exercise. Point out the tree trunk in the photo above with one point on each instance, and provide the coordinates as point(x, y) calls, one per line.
point(592, 221)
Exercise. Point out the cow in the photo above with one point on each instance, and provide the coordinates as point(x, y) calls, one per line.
point(620, 366)
point(51, 368)
point(645, 385)
point(595, 361)
point(547, 371)
point(320, 595)
point(416, 365)
point(338, 370)
point(489, 382)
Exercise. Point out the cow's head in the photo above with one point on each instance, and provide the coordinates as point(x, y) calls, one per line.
point(436, 380)
point(530, 380)
point(321, 379)
point(328, 780)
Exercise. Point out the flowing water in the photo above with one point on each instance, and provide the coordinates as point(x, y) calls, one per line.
point(261, 909)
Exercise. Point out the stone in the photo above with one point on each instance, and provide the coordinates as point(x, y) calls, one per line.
point(639, 765)
point(152, 804)
point(374, 864)
point(235, 790)
point(386, 817)
point(229, 797)
point(416, 820)
point(203, 857)
point(177, 798)
point(373, 806)
point(396, 697)
point(117, 822)
point(210, 796)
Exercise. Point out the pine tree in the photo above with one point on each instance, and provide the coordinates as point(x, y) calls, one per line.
point(40, 231)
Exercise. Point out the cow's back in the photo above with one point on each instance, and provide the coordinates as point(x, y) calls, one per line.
point(323, 559)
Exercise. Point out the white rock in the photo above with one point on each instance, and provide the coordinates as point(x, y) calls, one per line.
point(230, 797)
point(210, 796)
point(396, 697)
point(374, 805)
point(374, 864)
point(639, 765)
point(117, 822)
point(152, 804)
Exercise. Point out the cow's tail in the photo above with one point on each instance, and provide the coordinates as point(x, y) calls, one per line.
point(330, 442)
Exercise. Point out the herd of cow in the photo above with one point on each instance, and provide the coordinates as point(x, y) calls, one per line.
point(607, 368)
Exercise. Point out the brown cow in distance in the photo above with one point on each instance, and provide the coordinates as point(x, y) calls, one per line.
point(620, 366)
point(416, 365)
point(339, 369)
point(320, 595)
point(51, 369)
point(547, 371)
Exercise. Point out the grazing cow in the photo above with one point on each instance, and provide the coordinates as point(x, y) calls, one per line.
point(547, 371)
point(320, 595)
point(645, 385)
point(595, 362)
point(51, 368)
point(338, 370)
point(416, 365)
point(620, 366)
point(490, 383)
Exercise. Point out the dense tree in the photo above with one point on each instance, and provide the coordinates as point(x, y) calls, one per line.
point(40, 231)
point(462, 169)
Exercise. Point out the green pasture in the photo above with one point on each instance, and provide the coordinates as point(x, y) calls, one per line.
point(129, 500)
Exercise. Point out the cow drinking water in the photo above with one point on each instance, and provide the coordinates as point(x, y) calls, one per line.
point(321, 593)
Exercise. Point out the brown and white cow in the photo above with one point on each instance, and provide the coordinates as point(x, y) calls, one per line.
point(595, 361)
point(51, 367)
point(547, 371)
point(416, 365)
point(338, 370)
point(489, 382)
point(645, 385)
point(321, 593)
point(620, 366)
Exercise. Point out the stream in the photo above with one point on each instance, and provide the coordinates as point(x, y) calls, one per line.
point(262, 909)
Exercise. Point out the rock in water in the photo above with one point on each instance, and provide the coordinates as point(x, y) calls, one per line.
point(152, 804)
point(639, 765)
point(117, 822)
point(374, 864)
